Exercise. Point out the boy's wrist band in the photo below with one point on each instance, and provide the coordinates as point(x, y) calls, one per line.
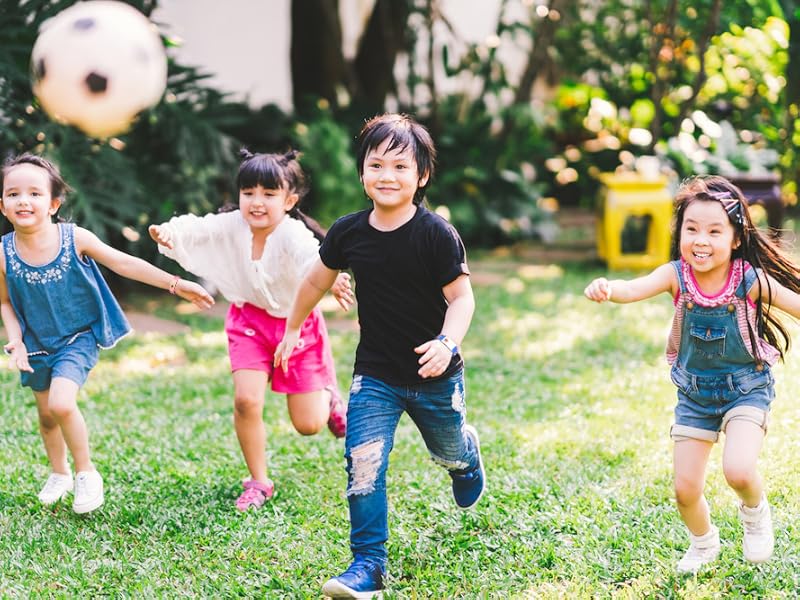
point(448, 343)
point(174, 284)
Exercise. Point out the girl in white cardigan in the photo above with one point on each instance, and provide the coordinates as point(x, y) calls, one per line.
point(257, 256)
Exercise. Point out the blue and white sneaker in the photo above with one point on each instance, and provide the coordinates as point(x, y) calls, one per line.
point(468, 486)
point(361, 580)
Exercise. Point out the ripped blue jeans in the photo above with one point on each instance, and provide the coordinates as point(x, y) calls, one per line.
point(437, 409)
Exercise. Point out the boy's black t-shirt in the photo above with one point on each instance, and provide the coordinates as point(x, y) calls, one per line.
point(399, 276)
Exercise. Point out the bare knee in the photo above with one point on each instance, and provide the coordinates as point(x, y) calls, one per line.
point(740, 477)
point(247, 405)
point(307, 425)
point(61, 408)
point(687, 492)
point(47, 421)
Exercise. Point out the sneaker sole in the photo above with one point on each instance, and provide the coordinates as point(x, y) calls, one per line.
point(758, 559)
point(56, 501)
point(470, 429)
point(334, 588)
point(89, 507)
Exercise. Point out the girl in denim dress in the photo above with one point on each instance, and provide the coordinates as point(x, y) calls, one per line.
point(725, 277)
point(58, 311)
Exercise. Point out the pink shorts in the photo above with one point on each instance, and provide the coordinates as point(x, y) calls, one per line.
point(253, 336)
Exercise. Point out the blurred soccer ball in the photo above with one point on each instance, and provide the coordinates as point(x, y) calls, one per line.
point(97, 64)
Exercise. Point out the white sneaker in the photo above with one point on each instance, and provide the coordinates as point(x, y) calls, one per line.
point(55, 488)
point(759, 540)
point(702, 550)
point(88, 492)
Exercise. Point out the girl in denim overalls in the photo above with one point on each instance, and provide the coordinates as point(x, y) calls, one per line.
point(58, 310)
point(725, 278)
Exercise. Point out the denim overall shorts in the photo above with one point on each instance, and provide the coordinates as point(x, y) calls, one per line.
point(717, 377)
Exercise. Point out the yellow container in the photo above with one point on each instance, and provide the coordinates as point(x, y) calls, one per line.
point(634, 228)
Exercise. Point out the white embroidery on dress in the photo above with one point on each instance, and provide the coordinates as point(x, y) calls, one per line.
point(53, 272)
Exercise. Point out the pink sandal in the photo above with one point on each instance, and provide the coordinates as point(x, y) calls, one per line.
point(255, 494)
point(337, 422)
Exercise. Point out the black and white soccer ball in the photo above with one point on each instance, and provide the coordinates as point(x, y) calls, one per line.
point(98, 64)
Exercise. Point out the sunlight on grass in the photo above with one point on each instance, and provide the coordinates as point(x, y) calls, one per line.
point(541, 272)
point(573, 403)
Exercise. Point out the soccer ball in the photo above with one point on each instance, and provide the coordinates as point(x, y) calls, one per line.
point(96, 65)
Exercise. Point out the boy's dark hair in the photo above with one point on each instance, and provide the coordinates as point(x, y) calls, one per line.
point(58, 187)
point(754, 248)
point(277, 171)
point(403, 132)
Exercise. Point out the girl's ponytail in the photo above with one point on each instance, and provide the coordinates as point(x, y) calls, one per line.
point(312, 224)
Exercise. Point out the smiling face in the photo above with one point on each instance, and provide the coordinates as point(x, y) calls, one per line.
point(707, 238)
point(391, 177)
point(264, 208)
point(27, 197)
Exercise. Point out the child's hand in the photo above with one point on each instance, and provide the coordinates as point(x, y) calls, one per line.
point(285, 349)
point(342, 291)
point(435, 358)
point(17, 355)
point(599, 290)
point(161, 235)
point(194, 293)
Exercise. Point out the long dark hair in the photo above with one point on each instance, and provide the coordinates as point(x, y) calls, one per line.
point(754, 247)
point(403, 132)
point(277, 171)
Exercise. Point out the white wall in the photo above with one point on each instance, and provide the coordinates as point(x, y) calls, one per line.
point(243, 43)
point(228, 39)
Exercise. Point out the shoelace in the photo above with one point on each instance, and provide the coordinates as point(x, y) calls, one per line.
point(81, 483)
point(468, 476)
point(51, 486)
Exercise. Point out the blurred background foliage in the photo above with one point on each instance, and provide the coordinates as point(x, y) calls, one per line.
point(708, 86)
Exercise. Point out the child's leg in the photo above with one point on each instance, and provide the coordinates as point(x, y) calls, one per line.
point(62, 403)
point(250, 386)
point(309, 411)
point(373, 413)
point(744, 435)
point(743, 440)
point(439, 413)
point(690, 458)
point(54, 444)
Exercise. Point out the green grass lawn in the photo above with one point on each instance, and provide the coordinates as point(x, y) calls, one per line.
point(573, 403)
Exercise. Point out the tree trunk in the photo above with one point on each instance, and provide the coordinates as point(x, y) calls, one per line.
point(317, 62)
point(373, 66)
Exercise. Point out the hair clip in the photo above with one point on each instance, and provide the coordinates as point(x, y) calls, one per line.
point(733, 207)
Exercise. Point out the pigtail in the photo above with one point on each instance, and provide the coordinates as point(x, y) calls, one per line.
point(312, 224)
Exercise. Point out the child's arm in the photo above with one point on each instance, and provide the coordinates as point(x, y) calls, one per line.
point(782, 298)
point(15, 346)
point(135, 268)
point(317, 281)
point(436, 354)
point(621, 291)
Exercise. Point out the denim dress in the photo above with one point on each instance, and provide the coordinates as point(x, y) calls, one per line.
point(715, 370)
point(58, 301)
